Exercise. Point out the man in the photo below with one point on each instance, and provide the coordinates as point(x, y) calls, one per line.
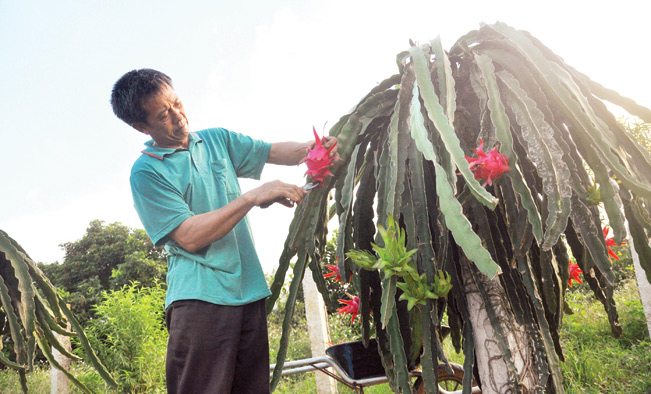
point(186, 192)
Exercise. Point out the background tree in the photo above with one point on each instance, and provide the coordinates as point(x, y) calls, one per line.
point(107, 257)
point(640, 130)
point(507, 242)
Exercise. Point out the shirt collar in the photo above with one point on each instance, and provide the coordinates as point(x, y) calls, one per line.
point(159, 153)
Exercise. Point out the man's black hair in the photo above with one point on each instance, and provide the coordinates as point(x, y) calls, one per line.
point(132, 89)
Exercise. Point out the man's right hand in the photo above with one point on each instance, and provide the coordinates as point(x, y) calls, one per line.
point(277, 191)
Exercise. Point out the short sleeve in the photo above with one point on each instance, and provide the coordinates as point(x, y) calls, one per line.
point(160, 206)
point(248, 155)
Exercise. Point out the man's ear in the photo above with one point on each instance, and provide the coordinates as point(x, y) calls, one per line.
point(141, 127)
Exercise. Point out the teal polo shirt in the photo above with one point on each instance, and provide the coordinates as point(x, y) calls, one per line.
point(171, 185)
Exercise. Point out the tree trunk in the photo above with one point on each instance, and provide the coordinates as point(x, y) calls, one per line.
point(492, 359)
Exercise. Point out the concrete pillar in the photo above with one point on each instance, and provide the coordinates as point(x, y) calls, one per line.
point(59, 383)
point(317, 322)
point(643, 284)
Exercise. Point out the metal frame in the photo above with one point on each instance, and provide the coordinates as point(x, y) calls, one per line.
point(323, 363)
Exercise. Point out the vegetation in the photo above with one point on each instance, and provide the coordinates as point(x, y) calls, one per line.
point(129, 335)
point(128, 329)
point(640, 130)
point(33, 309)
point(595, 362)
point(106, 258)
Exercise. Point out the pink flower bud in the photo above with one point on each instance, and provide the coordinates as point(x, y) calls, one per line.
point(351, 306)
point(575, 271)
point(334, 272)
point(611, 242)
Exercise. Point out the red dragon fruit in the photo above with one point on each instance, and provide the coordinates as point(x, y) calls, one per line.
point(488, 166)
point(318, 159)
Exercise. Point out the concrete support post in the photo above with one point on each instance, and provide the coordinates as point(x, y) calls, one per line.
point(317, 322)
point(643, 284)
point(59, 383)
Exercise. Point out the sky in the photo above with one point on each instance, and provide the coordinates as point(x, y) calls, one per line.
point(269, 69)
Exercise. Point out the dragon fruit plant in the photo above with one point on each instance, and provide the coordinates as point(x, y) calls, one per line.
point(502, 224)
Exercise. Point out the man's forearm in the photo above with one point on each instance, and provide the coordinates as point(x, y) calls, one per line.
point(201, 230)
point(288, 153)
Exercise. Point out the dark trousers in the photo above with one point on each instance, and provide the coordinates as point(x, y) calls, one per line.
point(217, 349)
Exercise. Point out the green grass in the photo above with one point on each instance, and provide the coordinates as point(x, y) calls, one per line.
point(595, 362)
point(37, 381)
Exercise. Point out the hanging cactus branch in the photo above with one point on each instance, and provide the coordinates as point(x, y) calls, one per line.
point(33, 310)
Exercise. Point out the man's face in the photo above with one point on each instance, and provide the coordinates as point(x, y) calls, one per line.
point(166, 123)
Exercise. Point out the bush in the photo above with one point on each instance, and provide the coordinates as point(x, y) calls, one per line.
point(129, 335)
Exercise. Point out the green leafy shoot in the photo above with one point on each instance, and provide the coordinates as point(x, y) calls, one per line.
point(395, 260)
